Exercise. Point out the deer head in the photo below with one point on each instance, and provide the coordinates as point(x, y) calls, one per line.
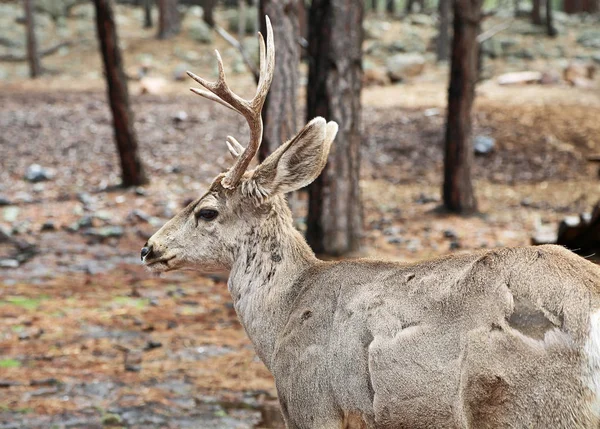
point(206, 234)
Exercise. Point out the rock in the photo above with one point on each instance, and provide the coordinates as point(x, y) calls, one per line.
point(524, 53)
point(450, 233)
point(402, 66)
point(152, 85)
point(200, 32)
point(36, 173)
point(519, 78)
point(395, 240)
point(196, 11)
point(4, 201)
point(180, 116)
point(422, 20)
point(483, 144)
point(179, 74)
point(455, 245)
point(105, 232)
point(410, 42)
point(48, 226)
point(9, 263)
point(596, 58)
point(526, 28)
point(375, 77)
point(589, 39)
point(140, 191)
point(426, 199)
point(492, 48)
point(375, 29)
point(138, 214)
point(11, 213)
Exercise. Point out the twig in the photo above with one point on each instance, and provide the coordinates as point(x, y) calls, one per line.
point(236, 44)
point(488, 34)
point(16, 58)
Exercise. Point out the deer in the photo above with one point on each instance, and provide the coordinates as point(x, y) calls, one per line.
point(496, 338)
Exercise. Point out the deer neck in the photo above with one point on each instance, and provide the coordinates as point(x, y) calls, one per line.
point(265, 269)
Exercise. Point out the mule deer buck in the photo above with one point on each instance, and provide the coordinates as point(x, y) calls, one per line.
point(505, 338)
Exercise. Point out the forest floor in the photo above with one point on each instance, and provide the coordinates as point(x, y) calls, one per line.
point(89, 339)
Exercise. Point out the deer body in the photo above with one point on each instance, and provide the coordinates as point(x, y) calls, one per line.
point(505, 338)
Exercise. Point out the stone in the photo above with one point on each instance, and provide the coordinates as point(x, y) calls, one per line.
point(179, 74)
point(36, 173)
point(9, 263)
point(180, 116)
point(596, 58)
point(483, 144)
point(11, 213)
point(422, 20)
point(589, 39)
point(105, 232)
point(200, 32)
point(375, 29)
point(402, 66)
point(48, 226)
point(4, 201)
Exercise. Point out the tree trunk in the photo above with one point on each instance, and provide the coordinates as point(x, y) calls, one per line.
point(458, 189)
point(132, 171)
point(374, 5)
point(536, 14)
point(33, 57)
point(517, 6)
point(390, 7)
point(280, 111)
point(208, 6)
point(334, 220)
point(148, 13)
point(409, 6)
point(550, 28)
point(443, 38)
point(169, 20)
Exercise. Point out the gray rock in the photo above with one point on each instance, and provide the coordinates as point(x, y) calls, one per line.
point(375, 29)
point(4, 201)
point(589, 39)
point(483, 144)
point(11, 213)
point(9, 263)
point(179, 74)
point(200, 32)
point(37, 173)
point(422, 20)
point(402, 66)
point(48, 226)
point(105, 232)
point(596, 58)
point(180, 116)
point(526, 28)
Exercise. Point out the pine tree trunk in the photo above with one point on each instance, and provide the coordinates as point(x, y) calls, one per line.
point(334, 220)
point(132, 171)
point(409, 6)
point(33, 57)
point(550, 28)
point(390, 7)
point(169, 20)
point(443, 38)
point(148, 13)
point(458, 189)
point(280, 110)
point(208, 6)
point(536, 14)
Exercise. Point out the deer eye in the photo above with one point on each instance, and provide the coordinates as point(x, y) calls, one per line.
point(207, 214)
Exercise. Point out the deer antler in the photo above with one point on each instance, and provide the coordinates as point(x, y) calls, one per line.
point(220, 92)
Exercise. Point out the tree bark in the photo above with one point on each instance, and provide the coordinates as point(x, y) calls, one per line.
point(458, 189)
point(148, 13)
point(33, 58)
point(536, 13)
point(132, 171)
point(334, 220)
point(280, 110)
point(390, 7)
point(169, 20)
point(208, 6)
point(443, 38)
point(550, 28)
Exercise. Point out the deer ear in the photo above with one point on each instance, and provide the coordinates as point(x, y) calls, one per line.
point(297, 162)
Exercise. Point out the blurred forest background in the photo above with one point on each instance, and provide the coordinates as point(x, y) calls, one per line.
point(465, 124)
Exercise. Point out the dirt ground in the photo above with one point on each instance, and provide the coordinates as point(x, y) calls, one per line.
point(89, 339)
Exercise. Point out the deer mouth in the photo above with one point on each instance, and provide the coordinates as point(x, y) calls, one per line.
point(161, 265)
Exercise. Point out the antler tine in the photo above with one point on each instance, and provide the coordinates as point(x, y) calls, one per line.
point(220, 92)
point(254, 118)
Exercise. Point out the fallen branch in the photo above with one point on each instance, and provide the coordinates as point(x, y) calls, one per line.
point(488, 34)
point(236, 44)
point(16, 58)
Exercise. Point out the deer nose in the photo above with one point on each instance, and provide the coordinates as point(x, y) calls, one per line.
point(146, 251)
